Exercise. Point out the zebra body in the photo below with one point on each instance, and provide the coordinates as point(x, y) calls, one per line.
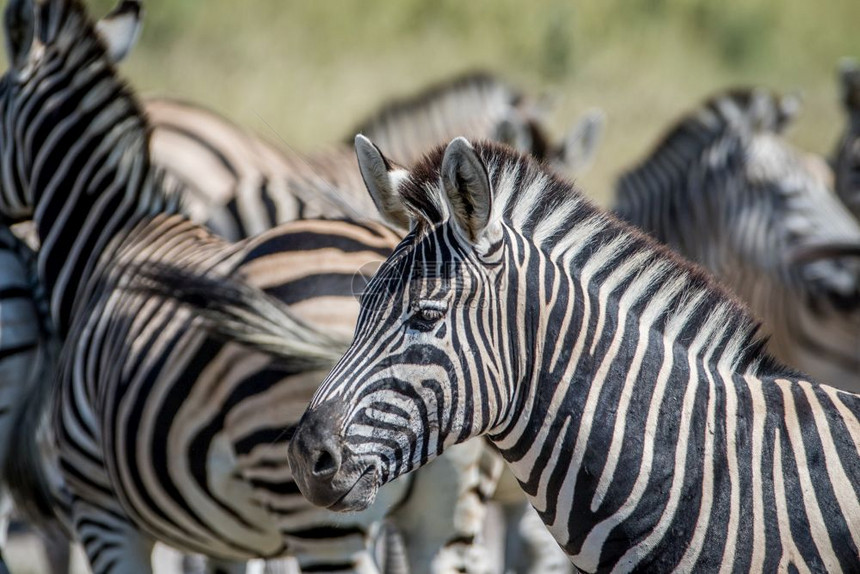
point(847, 157)
point(628, 393)
point(240, 185)
point(724, 189)
point(166, 432)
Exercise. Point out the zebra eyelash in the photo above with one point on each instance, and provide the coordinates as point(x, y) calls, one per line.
point(426, 313)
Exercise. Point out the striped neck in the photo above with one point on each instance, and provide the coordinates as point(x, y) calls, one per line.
point(82, 145)
point(617, 346)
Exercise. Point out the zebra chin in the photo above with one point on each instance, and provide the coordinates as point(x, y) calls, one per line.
point(326, 473)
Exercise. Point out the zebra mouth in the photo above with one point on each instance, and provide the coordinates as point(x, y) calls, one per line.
point(360, 495)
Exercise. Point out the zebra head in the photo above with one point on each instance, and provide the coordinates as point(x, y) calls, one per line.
point(47, 42)
point(726, 189)
point(419, 373)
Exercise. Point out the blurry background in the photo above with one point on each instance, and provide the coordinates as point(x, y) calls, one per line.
point(307, 71)
point(302, 73)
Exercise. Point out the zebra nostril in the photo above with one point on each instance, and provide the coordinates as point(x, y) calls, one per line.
point(326, 464)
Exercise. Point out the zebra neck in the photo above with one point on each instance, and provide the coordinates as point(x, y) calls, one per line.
point(85, 206)
point(628, 354)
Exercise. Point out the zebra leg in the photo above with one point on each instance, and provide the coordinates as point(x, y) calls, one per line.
point(282, 566)
point(443, 519)
point(58, 549)
point(337, 558)
point(530, 547)
point(199, 564)
point(112, 544)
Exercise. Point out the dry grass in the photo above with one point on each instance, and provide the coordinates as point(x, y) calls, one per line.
point(308, 70)
point(305, 72)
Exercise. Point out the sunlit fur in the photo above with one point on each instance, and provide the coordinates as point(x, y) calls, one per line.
point(628, 393)
point(725, 189)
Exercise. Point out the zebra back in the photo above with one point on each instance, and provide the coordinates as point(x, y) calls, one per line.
point(238, 183)
point(478, 105)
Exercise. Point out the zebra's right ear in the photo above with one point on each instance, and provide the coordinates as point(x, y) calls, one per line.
point(381, 179)
point(513, 132)
point(19, 22)
point(120, 29)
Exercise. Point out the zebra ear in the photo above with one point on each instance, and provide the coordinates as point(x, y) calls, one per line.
point(577, 150)
point(467, 187)
point(381, 179)
point(513, 133)
point(19, 22)
point(120, 29)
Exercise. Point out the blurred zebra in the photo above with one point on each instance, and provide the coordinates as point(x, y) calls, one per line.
point(629, 394)
point(240, 185)
point(847, 157)
point(724, 189)
point(22, 331)
point(164, 431)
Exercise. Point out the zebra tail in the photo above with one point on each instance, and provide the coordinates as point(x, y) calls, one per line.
point(26, 472)
point(235, 311)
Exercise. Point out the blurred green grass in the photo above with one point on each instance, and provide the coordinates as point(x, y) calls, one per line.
point(306, 71)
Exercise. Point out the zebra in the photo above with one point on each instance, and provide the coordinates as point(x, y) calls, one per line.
point(628, 392)
point(723, 188)
point(240, 185)
point(847, 156)
point(164, 431)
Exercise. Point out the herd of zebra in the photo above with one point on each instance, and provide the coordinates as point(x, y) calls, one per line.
point(214, 344)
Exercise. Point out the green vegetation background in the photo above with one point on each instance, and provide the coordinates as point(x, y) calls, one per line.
point(305, 71)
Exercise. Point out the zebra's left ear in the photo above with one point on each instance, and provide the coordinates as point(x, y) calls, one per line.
point(120, 29)
point(381, 178)
point(467, 189)
point(19, 24)
point(577, 150)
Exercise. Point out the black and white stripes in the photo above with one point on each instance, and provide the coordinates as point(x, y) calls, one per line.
point(629, 394)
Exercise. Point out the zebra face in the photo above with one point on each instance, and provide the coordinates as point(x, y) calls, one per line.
point(41, 40)
point(422, 373)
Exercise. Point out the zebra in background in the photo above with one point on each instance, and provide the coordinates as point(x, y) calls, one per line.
point(240, 185)
point(847, 157)
point(724, 189)
point(165, 431)
point(629, 394)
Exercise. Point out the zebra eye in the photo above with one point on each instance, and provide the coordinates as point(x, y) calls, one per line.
point(426, 314)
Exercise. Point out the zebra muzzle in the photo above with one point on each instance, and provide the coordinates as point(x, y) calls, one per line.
point(321, 466)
